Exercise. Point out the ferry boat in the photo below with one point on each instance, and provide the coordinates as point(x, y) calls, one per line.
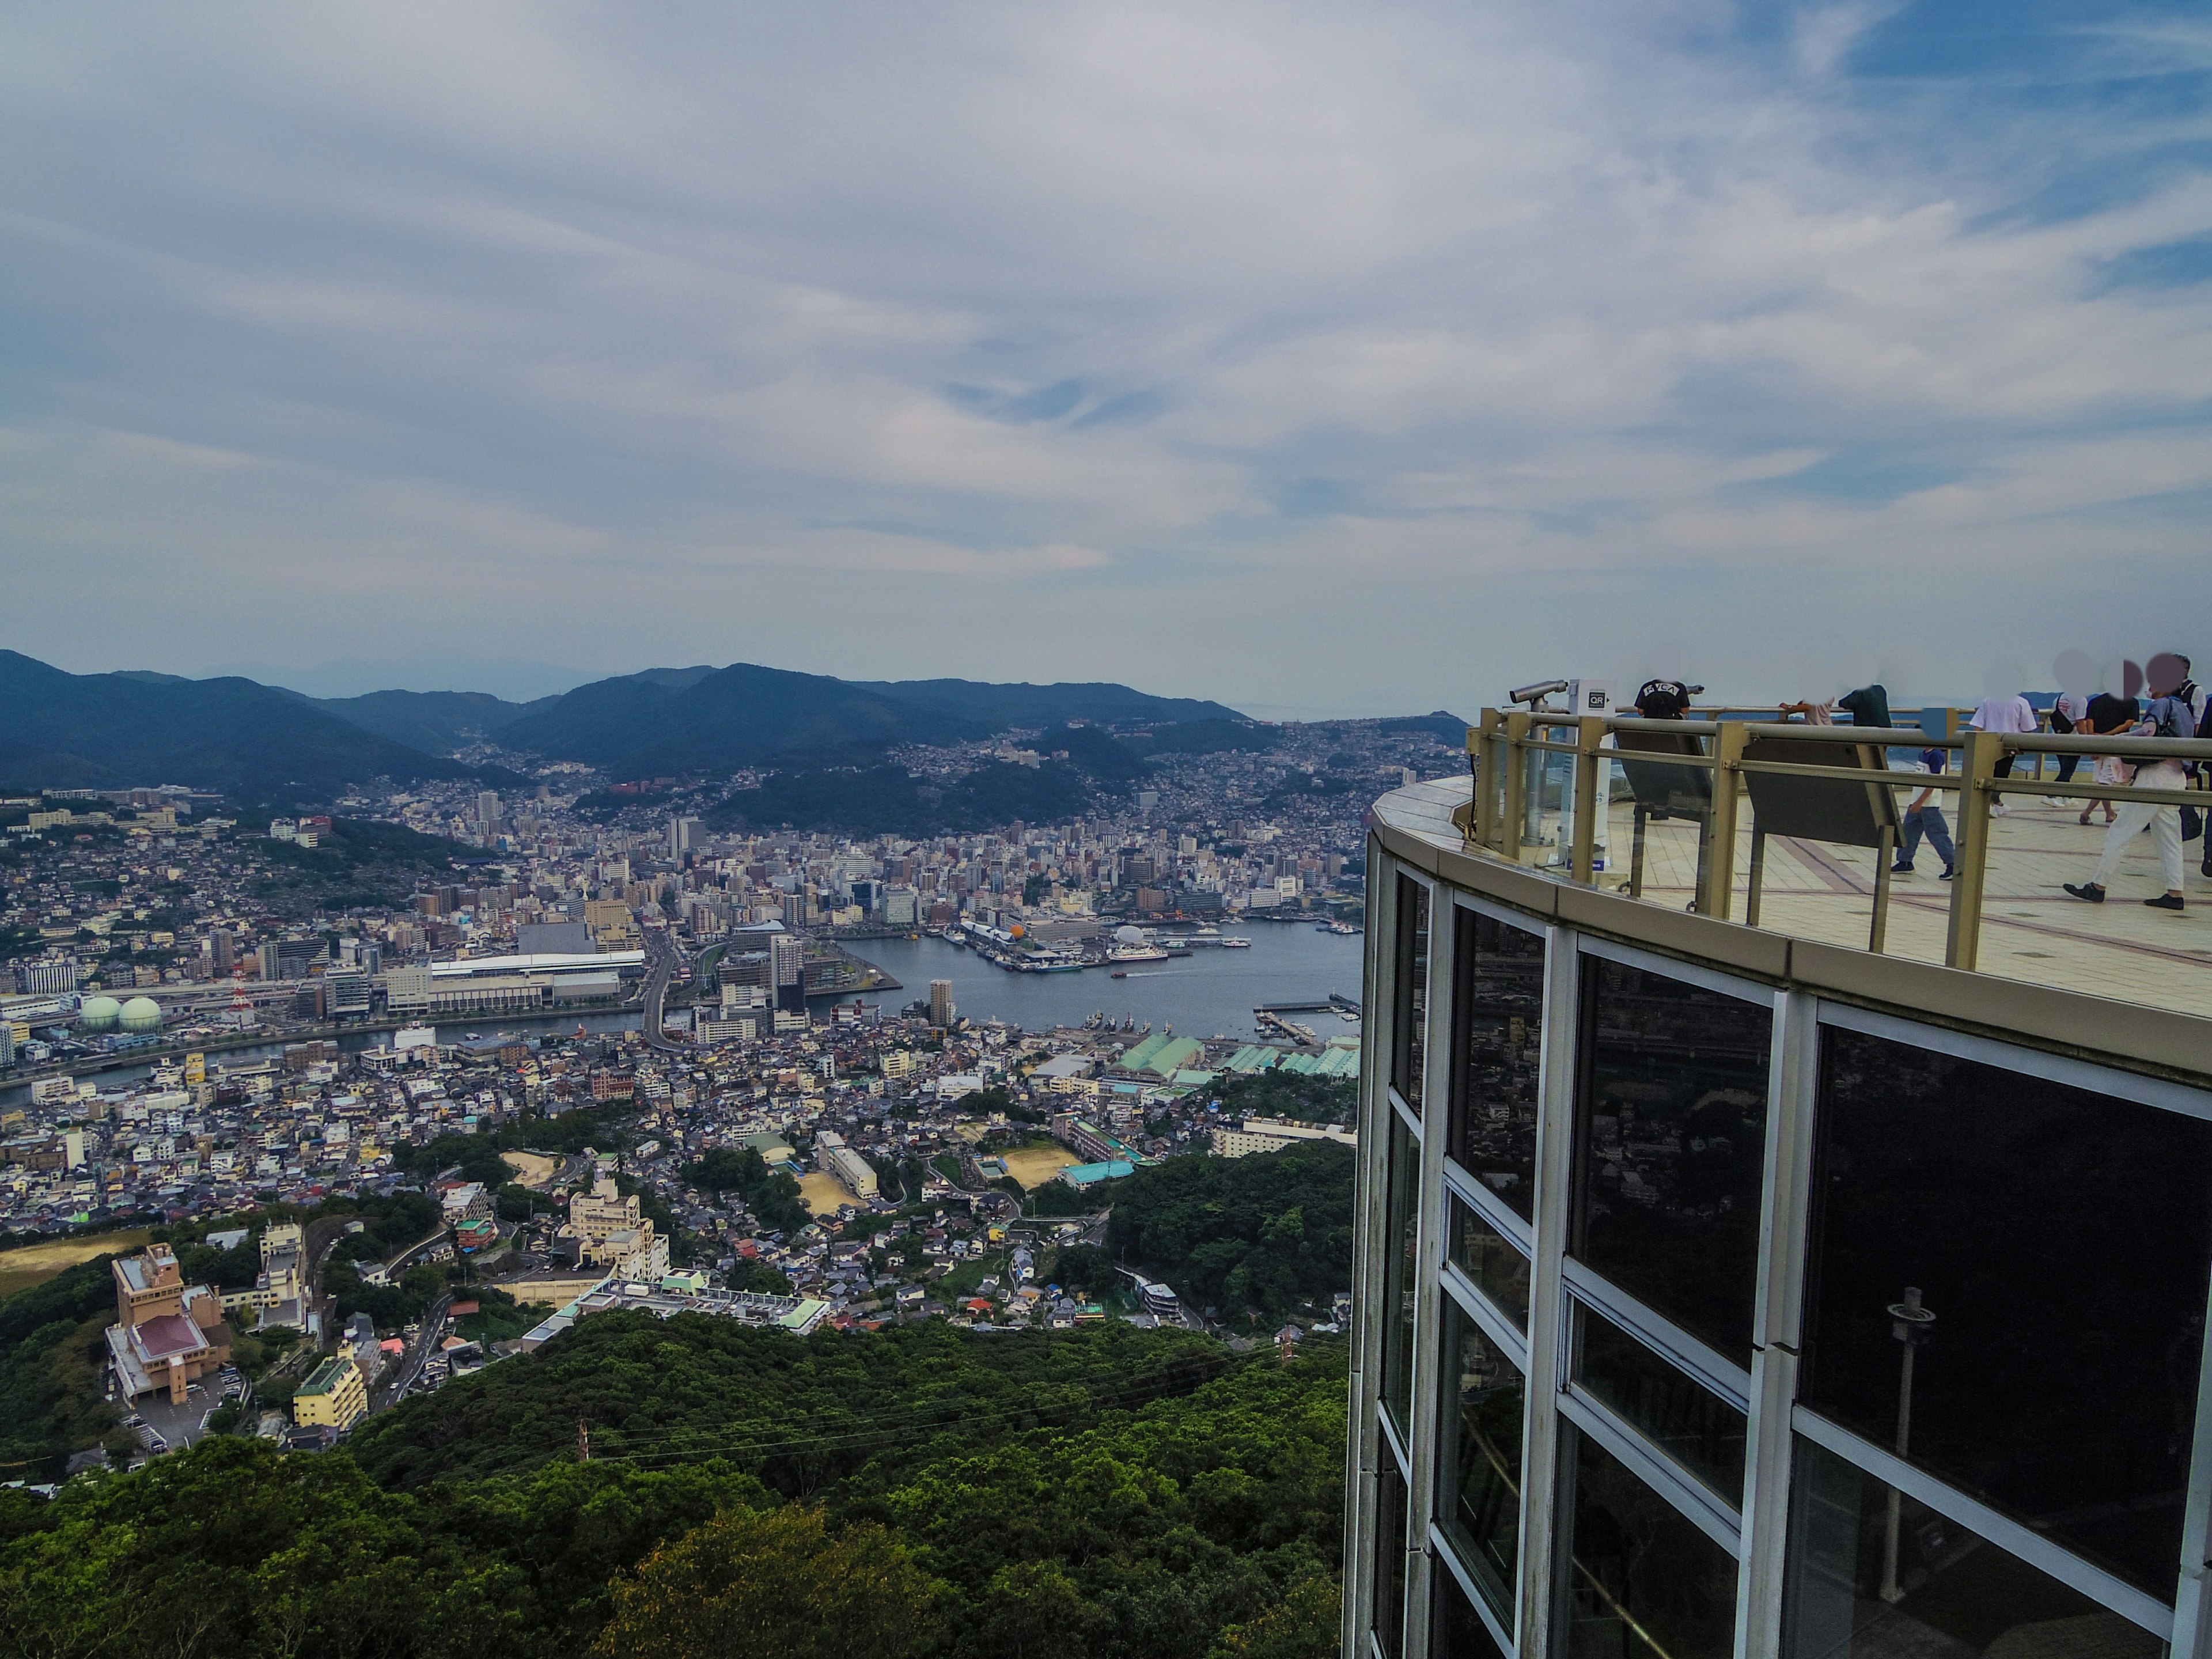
point(1136, 953)
point(1236, 944)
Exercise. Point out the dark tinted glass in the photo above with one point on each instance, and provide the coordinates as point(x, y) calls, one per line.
point(1637, 1581)
point(1408, 1042)
point(1478, 1457)
point(1680, 1415)
point(1869, 1581)
point(1456, 1630)
point(1389, 1619)
point(1401, 1241)
point(1493, 1261)
point(1497, 1024)
point(2060, 1238)
point(1670, 1144)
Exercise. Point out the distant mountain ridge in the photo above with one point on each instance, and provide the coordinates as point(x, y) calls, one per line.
point(268, 744)
point(251, 741)
point(671, 720)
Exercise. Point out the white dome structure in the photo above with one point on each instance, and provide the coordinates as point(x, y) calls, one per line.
point(141, 1015)
point(1128, 935)
point(99, 1014)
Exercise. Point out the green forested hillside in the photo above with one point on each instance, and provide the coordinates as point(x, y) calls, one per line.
point(1261, 1234)
point(923, 1491)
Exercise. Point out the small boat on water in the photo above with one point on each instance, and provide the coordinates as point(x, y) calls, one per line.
point(1119, 973)
point(1236, 944)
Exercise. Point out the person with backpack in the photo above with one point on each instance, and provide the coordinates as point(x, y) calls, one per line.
point(2167, 715)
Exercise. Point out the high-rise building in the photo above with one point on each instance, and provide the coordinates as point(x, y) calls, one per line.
point(682, 837)
point(488, 807)
point(942, 1011)
point(1731, 1290)
point(222, 948)
point(48, 976)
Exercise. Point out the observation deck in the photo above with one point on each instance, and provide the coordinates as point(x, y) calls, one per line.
point(1712, 879)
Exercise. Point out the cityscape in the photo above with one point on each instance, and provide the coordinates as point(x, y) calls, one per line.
point(706, 1096)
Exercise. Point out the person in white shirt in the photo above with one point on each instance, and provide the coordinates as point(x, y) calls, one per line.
point(2167, 715)
point(2007, 712)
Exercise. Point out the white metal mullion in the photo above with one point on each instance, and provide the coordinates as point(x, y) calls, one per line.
point(1555, 1134)
point(2031, 1062)
point(1792, 1085)
point(2039, 1552)
point(1364, 1447)
point(1730, 1381)
point(2192, 1606)
point(1689, 973)
point(1440, 1545)
point(1492, 1320)
point(1424, 1420)
point(1680, 1492)
point(1494, 1211)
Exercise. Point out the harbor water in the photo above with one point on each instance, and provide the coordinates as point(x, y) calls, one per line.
point(1210, 992)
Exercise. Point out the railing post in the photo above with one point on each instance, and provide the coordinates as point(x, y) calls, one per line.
point(1516, 784)
point(1963, 948)
point(1489, 753)
point(1716, 881)
point(1589, 737)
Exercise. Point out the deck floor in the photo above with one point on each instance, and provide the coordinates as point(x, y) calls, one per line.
point(2030, 929)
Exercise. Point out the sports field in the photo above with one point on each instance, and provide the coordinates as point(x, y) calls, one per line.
point(530, 1169)
point(824, 1192)
point(1034, 1165)
point(33, 1264)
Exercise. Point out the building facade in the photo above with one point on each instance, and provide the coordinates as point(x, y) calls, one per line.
point(334, 1396)
point(1724, 1293)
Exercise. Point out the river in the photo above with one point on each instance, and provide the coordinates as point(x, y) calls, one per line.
point(1209, 992)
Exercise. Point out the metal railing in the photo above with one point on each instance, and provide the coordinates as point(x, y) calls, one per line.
point(1513, 755)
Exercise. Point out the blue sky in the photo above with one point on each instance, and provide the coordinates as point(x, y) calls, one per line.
point(1318, 359)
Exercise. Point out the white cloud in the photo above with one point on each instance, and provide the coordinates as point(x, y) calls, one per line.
point(1379, 355)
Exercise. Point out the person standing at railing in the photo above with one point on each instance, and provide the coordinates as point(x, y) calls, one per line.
point(1924, 816)
point(2108, 717)
point(2066, 714)
point(2003, 711)
point(2166, 716)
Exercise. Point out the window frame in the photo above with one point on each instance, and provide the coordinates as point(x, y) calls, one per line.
point(2137, 1606)
point(1474, 1308)
point(1410, 1089)
point(1549, 931)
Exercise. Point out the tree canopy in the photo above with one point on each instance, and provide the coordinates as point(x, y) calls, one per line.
point(1264, 1232)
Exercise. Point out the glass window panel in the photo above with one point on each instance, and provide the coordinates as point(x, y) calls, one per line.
point(1409, 1041)
point(1670, 1147)
point(1677, 1413)
point(1390, 1610)
point(1498, 1025)
point(1400, 1244)
point(1492, 1260)
point(1456, 1630)
point(1478, 1457)
point(1873, 1574)
point(2060, 1238)
point(1637, 1581)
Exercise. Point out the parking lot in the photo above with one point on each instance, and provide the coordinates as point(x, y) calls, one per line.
point(164, 1426)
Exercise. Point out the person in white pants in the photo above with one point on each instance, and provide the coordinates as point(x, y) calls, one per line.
point(2165, 825)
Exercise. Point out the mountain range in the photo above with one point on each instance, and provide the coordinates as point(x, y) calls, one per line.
point(265, 744)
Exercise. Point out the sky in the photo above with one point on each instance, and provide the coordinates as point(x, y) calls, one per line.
point(1322, 360)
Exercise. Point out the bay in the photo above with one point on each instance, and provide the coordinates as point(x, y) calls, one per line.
point(1210, 992)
